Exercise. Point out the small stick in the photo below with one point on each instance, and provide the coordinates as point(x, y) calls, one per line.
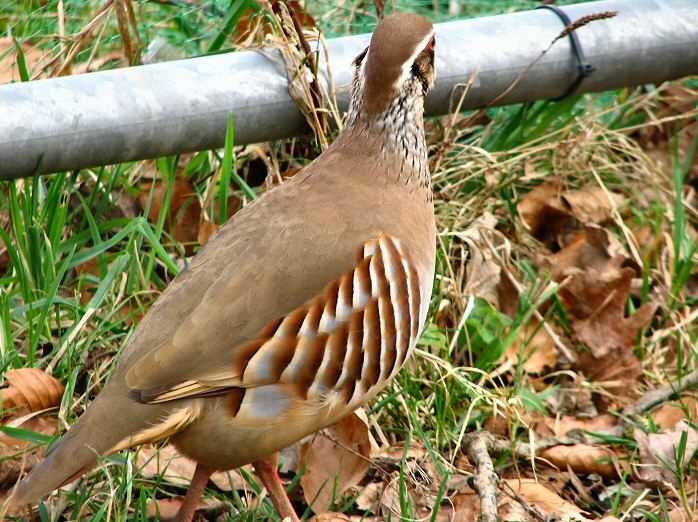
point(654, 397)
point(305, 46)
point(477, 447)
point(534, 511)
point(122, 19)
point(566, 31)
point(61, 25)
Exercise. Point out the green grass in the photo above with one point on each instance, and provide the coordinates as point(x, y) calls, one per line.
point(83, 268)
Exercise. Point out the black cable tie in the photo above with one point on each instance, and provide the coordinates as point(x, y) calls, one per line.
point(584, 68)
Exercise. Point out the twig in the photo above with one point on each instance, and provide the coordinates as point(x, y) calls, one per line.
point(531, 510)
point(566, 31)
point(650, 399)
point(477, 447)
point(61, 25)
point(122, 20)
point(654, 397)
point(314, 84)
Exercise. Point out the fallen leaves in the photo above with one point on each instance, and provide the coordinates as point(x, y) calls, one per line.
point(662, 454)
point(167, 508)
point(26, 394)
point(536, 494)
point(335, 460)
point(168, 464)
point(185, 218)
point(543, 212)
point(670, 414)
point(21, 454)
point(483, 268)
point(549, 211)
point(592, 204)
point(595, 289)
point(30, 389)
point(595, 300)
point(582, 458)
point(559, 427)
point(534, 347)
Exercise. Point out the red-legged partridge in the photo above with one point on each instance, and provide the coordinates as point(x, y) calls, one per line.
point(300, 309)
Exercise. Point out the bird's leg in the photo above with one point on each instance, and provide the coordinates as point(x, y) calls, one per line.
point(196, 489)
point(266, 470)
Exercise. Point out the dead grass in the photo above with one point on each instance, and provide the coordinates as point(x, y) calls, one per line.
point(584, 210)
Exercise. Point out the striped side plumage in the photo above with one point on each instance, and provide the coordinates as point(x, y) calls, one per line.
point(277, 329)
point(344, 344)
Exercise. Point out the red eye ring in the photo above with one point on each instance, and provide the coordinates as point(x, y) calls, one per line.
point(360, 57)
point(431, 46)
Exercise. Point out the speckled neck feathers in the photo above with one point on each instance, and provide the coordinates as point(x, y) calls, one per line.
point(398, 131)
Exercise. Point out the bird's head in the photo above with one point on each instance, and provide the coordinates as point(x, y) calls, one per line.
point(398, 64)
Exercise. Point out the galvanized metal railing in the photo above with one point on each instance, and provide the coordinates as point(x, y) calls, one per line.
point(167, 108)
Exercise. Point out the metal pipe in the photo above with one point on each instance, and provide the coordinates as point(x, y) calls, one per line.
point(182, 106)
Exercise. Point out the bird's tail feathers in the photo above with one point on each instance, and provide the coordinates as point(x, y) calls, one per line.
point(110, 424)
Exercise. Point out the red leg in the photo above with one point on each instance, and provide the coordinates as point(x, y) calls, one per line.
point(267, 472)
point(196, 489)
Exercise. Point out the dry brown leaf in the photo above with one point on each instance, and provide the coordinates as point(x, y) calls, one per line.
point(563, 425)
point(660, 141)
point(595, 302)
point(184, 211)
point(330, 517)
point(617, 373)
point(30, 389)
point(670, 414)
point(588, 248)
point(582, 458)
point(167, 508)
point(648, 242)
point(679, 514)
point(462, 507)
point(536, 494)
point(512, 511)
point(177, 469)
point(230, 480)
point(592, 204)
point(336, 459)
point(87, 290)
point(165, 462)
point(539, 352)
point(16, 454)
point(658, 453)
point(594, 291)
point(483, 269)
point(391, 500)
point(550, 212)
point(369, 497)
point(545, 215)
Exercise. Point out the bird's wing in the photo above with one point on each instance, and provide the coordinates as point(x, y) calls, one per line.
point(353, 335)
point(272, 258)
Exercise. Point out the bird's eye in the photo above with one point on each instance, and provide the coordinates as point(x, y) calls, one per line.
point(431, 46)
point(357, 61)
